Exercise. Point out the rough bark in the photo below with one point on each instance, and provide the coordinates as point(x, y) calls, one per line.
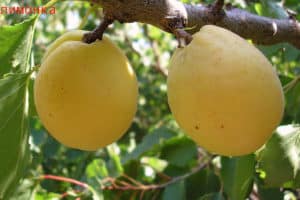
point(172, 15)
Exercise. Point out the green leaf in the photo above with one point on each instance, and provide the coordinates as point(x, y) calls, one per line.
point(212, 196)
point(32, 108)
point(47, 196)
point(271, 9)
point(97, 168)
point(50, 148)
point(157, 164)
point(292, 108)
point(205, 180)
point(149, 142)
point(237, 175)
point(114, 165)
point(291, 53)
point(270, 51)
point(175, 191)
point(15, 43)
point(13, 131)
point(179, 151)
point(270, 193)
point(284, 150)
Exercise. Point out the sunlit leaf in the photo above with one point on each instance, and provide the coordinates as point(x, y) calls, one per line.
point(15, 43)
point(97, 168)
point(13, 131)
point(237, 175)
point(284, 150)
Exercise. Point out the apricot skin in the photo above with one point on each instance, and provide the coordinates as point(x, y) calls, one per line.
point(85, 94)
point(224, 93)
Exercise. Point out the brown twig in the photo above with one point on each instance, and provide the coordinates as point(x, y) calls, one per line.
point(113, 182)
point(183, 37)
point(65, 179)
point(98, 32)
point(164, 176)
point(132, 180)
point(110, 183)
point(176, 25)
point(142, 194)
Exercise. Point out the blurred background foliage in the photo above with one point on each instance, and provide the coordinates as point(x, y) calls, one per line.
point(154, 151)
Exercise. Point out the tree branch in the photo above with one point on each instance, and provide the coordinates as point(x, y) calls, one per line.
point(163, 14)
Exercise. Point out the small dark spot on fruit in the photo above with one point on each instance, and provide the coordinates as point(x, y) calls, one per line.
point(50, 115)
point(222, 126)
point(197, 127)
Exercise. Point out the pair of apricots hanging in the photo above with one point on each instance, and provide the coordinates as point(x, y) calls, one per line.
point(222, 92)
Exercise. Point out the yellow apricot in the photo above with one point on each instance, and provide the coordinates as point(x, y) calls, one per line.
point(224, 93)
point(85, 94)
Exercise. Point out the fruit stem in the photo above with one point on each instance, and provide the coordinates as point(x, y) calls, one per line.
point(98, 32)
point(183, 37)
point(177, 26)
